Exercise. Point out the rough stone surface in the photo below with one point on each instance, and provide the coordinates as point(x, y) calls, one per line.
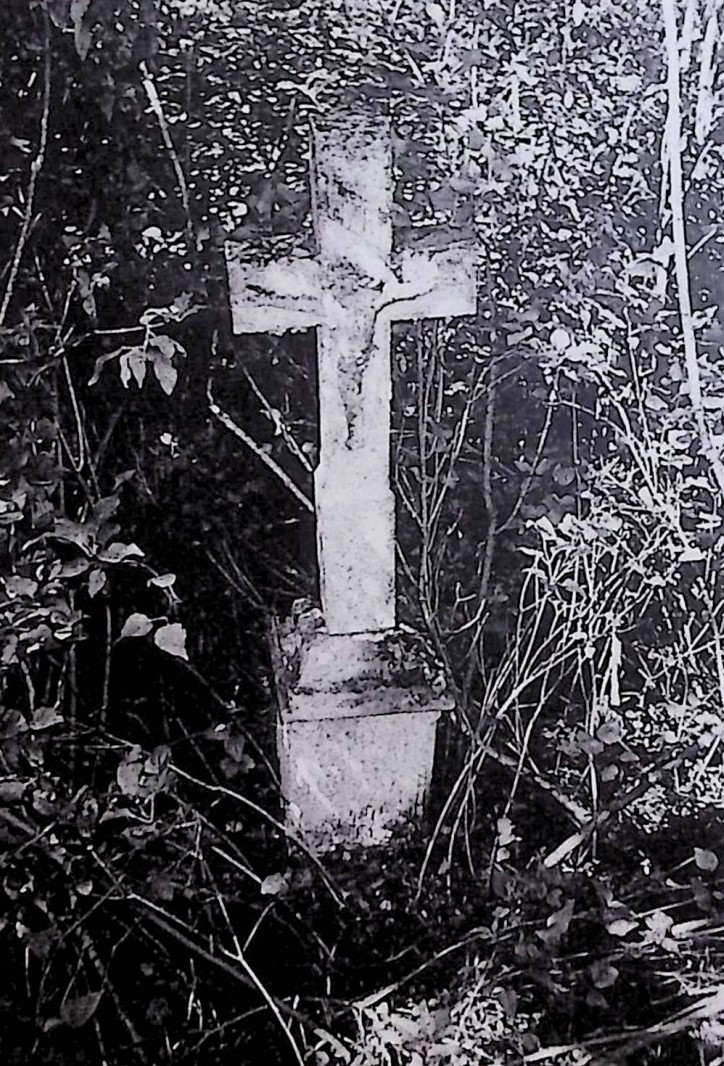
point(352, 780)
point(356, 737)
point(352, 291)
point(328, 661)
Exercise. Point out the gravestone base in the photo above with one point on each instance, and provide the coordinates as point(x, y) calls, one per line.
point(355, 738)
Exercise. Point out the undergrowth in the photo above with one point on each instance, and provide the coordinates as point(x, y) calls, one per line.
point(164, 917)
point(559, 535)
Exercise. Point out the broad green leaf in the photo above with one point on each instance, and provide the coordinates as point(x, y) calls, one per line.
point(136, 625)
point(273, 885)
point(691, 554)
point(45, 718)
point(128, 774)
point(156, 772)
point(705, 859)
point(81, 29)
point(437, 14)
point(76, 533)
point(117, 552)
point(20, 586)
point(140, 775)
point(59, 13)
point(172, 639)
point(610, 732)
point(658, 925)
point(75, 1013)
point(162, 581)
point(74, 567)
point(603, 974)
point(621, 927)
point(167, 346)
point(137, 364)
point(234, 745)
point(132, 364)
point(101, 362)
point(505, 832)
point(96, 582)
point(166, 374)
point(560, 339)
point(12, 790)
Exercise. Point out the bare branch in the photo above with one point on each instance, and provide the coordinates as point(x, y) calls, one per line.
point(227, 421)
point(278, 423)
point(157, 108)
point(35, 169)
point(676, 205)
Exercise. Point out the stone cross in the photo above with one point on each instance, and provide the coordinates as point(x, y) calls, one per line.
point(351, 291)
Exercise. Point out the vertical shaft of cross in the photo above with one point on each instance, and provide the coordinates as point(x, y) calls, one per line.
point(352, 291)
point(354, 499)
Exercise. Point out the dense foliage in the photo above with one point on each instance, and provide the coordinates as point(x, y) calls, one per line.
point(559, 521)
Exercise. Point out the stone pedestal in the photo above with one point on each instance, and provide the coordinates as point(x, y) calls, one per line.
point(355, 734)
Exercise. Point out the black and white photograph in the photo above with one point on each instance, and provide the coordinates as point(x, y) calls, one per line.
point(362, 532)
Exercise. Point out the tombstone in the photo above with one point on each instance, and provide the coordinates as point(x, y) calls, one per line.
point(355, 740)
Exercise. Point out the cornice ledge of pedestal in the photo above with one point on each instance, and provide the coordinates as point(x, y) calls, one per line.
point(352, 674)
point(380, 699)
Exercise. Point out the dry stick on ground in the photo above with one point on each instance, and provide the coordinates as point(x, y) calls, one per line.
point(373, 998)
point(180, 932)
point(107, 985)
point(676, 205)
point(271, 464)
point(207, 1034)
point(622, 800)
point(35, 168)
point(622, 1045)
point(575, 811)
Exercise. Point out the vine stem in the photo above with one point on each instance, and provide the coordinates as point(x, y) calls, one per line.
point(672, 136)
point(35, 168)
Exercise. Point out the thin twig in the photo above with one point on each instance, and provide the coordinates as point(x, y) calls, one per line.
point(540, 446)
point(227, 421)
point(246, 802)
point(708, 1008)
point(622, 800)
point(278, 423)
point(105, 697)
point(256, 981)
point(157, 108)
point(35, 168)
point(180, 933)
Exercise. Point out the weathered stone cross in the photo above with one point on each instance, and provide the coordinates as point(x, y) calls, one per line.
point(352, 291)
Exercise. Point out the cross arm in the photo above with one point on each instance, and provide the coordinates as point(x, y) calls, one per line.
point(432, 284)
point(273, 297)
